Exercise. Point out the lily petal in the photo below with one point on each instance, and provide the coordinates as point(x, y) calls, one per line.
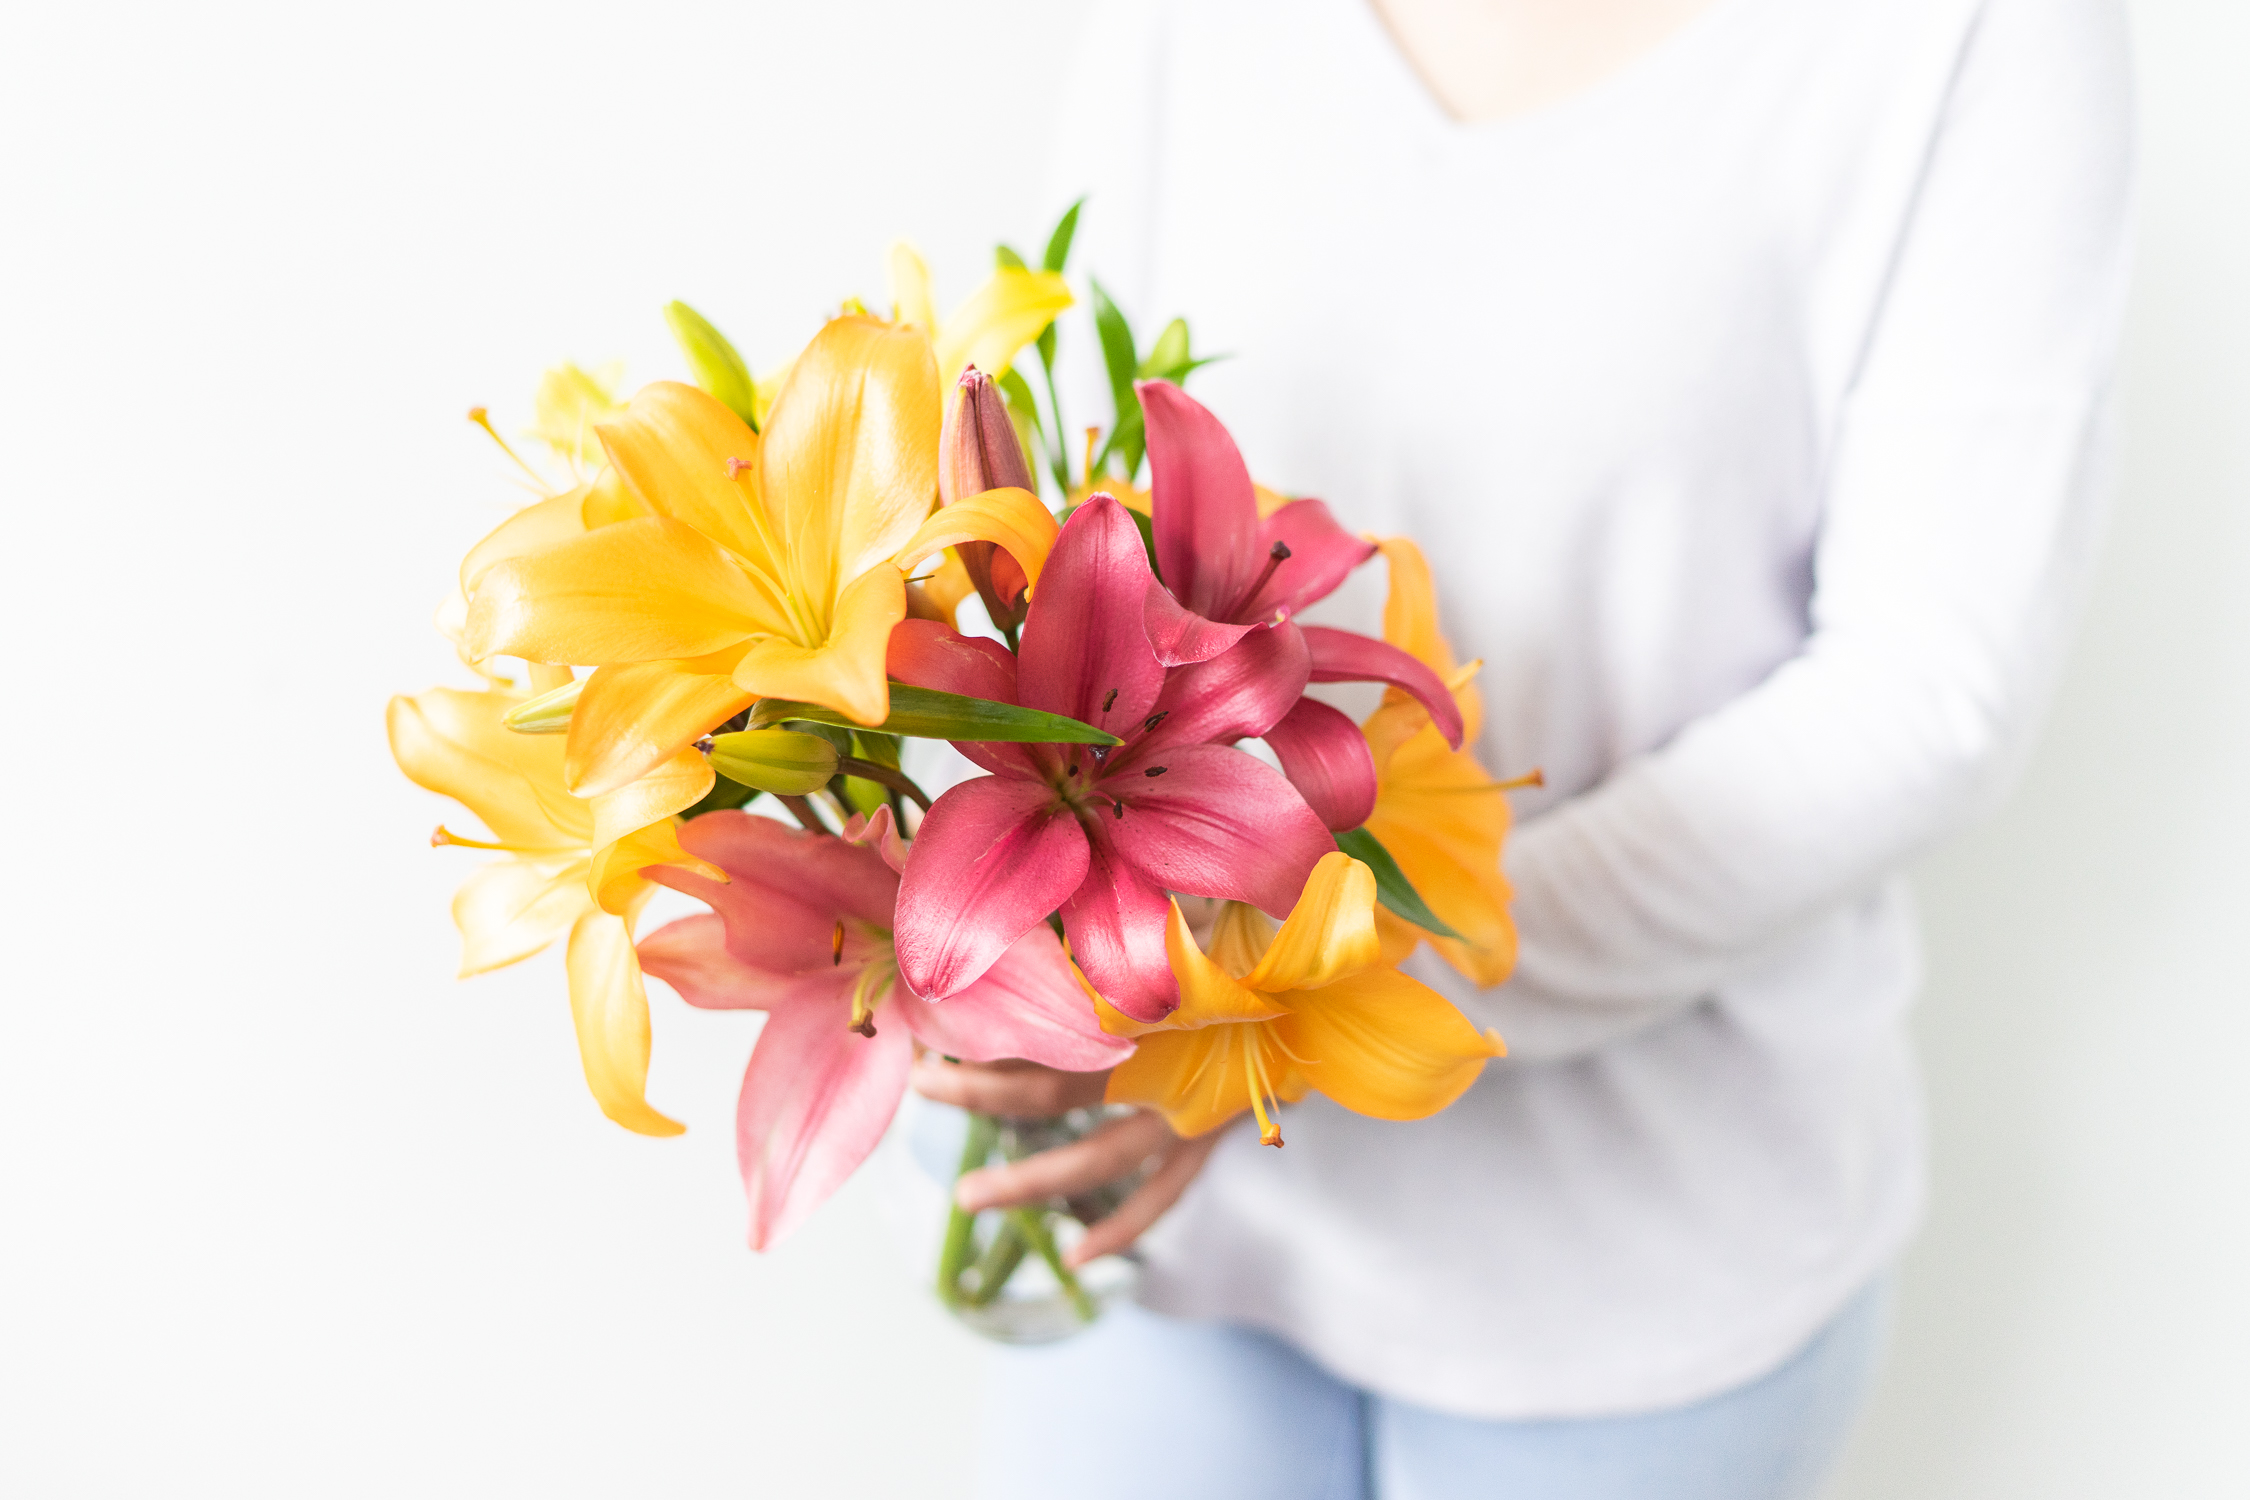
point(555, 519)
point(692, 956)
point(1383, 1045)
point(632, 717)
point(1115, 919)
point(1206, 512)
point(636, 591)
point(1209, 995)
point(1241, 694)
point(1010, 519)
point(1321, 555)
point(686, 456)
point(927, 654)
point(1329, 933)
point(911, 301)
point(1218, 822)
point(786, 888)
point(1085, 653)
point(990, 329)
point(617, 876)
point(845, 672)
point(609, 1007)
point(1410, 617)
point(816, 1098)
point(992, 858)
point(1027, 1005)
point(879, 832)
point(453, 743)
point(848, 462)
point(511, 909)
point(1196, 1078)
point(1343, 656)
point(1327, 760)
point(1179, 636)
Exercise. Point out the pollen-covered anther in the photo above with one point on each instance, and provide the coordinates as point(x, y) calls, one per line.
point(836, 947)
point(735, 466)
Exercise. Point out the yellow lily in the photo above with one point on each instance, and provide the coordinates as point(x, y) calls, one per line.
point(1436, 810)
point(566, 401)
point(1266, 1017)
point(569, 404)
point(573, 868)
point(763, 569)
point(988, 330)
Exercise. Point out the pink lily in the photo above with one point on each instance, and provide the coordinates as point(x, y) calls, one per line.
point(1101, 835)
point(1228, 573)
point(803, 933)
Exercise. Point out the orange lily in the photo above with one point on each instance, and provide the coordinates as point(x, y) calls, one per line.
point(1266, 1017)
point(574, 867)
point(1436, 810)
point(765, 566)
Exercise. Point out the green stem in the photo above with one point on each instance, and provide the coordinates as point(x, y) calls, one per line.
point(882, 775)
point(802, 810)
point(997, 1264)
point(961, 1226)
point(1062, 439)
point(1032, 1223)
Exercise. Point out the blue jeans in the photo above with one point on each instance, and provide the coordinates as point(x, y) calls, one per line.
point(1146, 1406)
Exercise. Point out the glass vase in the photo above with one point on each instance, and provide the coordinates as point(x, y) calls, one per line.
point(1001, 1271)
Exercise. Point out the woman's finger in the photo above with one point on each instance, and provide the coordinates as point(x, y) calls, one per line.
point(1108, 1154)
point(1149, 1202)
point(1016, 1090)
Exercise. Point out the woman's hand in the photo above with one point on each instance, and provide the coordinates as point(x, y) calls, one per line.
point(1028, 1091)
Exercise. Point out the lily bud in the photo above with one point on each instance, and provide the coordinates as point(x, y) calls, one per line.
point(780, 761)
point(549, 713)
point(977, 451)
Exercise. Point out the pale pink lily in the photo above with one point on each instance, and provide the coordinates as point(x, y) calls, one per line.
point(1227, 573)
point(1101, 835)
point(803, 932)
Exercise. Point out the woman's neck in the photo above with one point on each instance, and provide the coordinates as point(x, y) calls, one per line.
point(1490, 59)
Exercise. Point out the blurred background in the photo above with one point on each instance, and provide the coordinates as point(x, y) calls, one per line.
point(288, 1211)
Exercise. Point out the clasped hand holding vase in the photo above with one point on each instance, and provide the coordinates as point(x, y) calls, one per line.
point(712, 571)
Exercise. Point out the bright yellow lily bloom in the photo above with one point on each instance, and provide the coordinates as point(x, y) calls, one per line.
point(573, 868)
point(763, 569)
point(1436, 810)
point(569, 404)
point(988, 330)
point(1267, 1016)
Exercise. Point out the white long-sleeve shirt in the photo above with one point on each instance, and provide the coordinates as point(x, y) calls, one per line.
point(1751, 410)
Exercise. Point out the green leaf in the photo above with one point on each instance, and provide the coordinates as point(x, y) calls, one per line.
point(780, 761)
point(1168, 353)
point(1046, 348)
point(1392, 888)
point(718, 369)
point(1016, 391)
point(1058, 243)
point(1007, 259)
point(926, 714)
point(1117, 353)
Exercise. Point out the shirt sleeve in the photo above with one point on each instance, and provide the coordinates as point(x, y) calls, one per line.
point(1957, 535)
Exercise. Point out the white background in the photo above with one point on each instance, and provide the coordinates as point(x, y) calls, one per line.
point(284, 1210)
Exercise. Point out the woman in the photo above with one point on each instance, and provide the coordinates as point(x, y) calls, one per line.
point(1743, 368)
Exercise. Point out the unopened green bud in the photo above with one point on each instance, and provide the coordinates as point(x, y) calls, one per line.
point(549, 713)
point(780, 761)
point(717, 367)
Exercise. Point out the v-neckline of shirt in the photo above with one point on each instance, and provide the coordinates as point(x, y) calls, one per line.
point(1642, 74)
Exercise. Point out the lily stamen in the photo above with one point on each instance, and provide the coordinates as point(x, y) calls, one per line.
point(1278, 555)
point(441, 836)
point(478, 415)
point(836, 947)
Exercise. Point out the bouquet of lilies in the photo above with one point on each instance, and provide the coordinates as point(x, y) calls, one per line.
point(752, 589)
